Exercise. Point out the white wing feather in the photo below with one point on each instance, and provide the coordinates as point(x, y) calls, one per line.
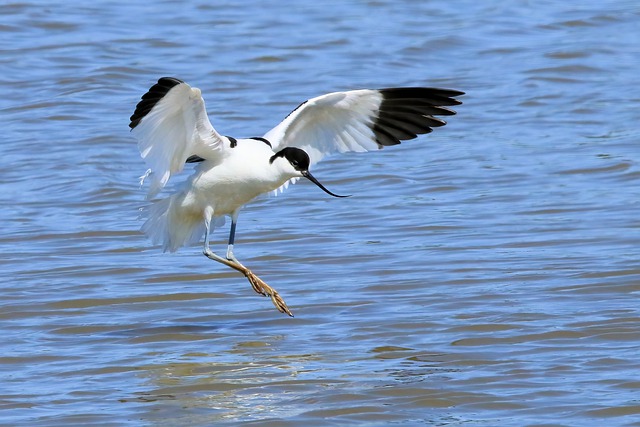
point(362, 120)
point(171, 124)
point(337, 122)
point(175, 128)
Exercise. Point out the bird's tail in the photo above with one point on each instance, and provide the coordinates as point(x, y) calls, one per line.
point(171, 225)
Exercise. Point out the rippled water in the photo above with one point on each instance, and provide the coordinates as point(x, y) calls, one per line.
point(487, 274)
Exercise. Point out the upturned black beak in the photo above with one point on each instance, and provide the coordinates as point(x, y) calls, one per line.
point(311, 178)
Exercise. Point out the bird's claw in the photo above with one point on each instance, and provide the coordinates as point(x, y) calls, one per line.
point(263, 289)
point(257, 283)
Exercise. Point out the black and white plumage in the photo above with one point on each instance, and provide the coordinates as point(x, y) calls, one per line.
point(172, 128)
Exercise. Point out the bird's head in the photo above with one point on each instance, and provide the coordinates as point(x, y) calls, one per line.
point(295, 162)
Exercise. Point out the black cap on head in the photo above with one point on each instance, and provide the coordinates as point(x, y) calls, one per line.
point(300, 161)
point(298, 158)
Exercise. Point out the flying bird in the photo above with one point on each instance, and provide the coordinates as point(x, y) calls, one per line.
point(173, 129)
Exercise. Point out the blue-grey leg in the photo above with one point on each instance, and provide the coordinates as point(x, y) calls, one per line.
point(257, 283)
point(232, 238)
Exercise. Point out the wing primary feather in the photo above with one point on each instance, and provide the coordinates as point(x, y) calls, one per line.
point(417, 124)
point(424, 109)
point(433, 96)
point(396, 128)
point(397, 119)
point(151, 98)
point(363, 120)
point(172, 128)
point(384, 137)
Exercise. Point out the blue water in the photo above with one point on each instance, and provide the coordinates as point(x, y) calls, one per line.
point(486, 274)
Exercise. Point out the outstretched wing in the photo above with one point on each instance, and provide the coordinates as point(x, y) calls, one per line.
point(171, 125)
point(362, 120)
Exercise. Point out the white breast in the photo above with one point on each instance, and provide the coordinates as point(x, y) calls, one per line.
point(240, 177)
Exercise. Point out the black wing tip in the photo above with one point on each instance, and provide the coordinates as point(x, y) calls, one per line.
point(169, 81)
point(439, 96)
point(152, 97)
point(406, 112)
point(420, 90)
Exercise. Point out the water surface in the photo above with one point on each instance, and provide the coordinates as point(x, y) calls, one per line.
point(486, 274)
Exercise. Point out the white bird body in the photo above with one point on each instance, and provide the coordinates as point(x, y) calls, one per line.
point(229, 185)
point(173, 128)
point(218, 187)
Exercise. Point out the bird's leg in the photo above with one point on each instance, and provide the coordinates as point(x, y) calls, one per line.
point(231, 261)
point(209, 253)
point(232, 238)
point(257, 283)
point(253, 279)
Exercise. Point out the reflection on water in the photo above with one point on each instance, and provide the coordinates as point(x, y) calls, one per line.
point(485, 274)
